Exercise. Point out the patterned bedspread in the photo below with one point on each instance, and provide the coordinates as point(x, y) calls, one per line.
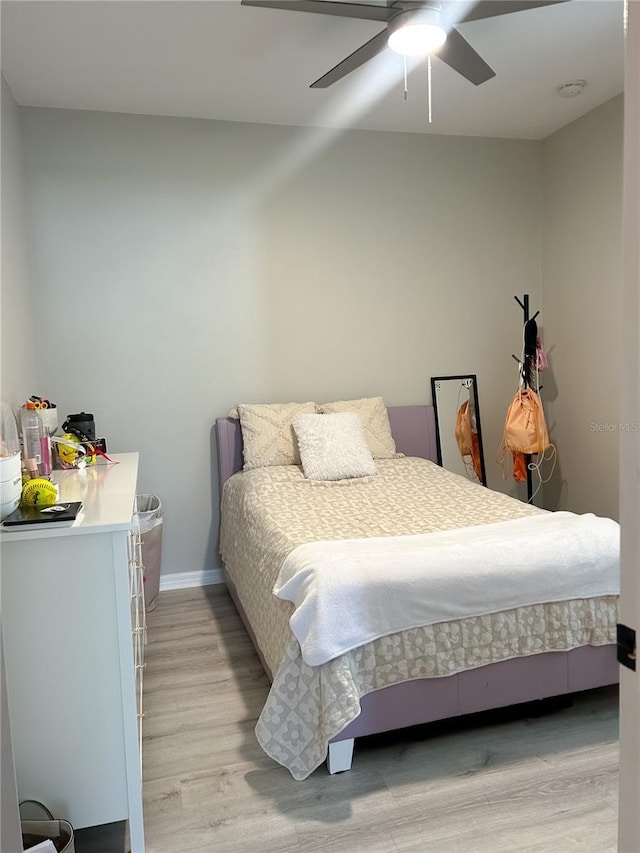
point(267, 512)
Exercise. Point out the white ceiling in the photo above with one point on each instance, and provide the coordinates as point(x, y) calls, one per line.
point(218, 59)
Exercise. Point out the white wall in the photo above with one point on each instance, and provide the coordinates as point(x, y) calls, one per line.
point(629, 613)
point(183, 266)
point(20, 367)
point(19, 373)
point(582, 271)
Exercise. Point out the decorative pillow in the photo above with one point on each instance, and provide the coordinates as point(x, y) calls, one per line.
point(267, 433)
point(333, 447)
point(375, 422)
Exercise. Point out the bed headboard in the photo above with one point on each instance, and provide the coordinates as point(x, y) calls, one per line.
point(413, 428)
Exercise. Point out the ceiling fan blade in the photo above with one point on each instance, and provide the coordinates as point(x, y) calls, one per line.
point(354, 60)
point(328, 7)
point(494, 8)
point(459, 55)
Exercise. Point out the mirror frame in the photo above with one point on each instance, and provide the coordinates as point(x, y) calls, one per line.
point(474, 385)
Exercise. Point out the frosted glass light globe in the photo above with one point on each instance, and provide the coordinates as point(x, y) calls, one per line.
point(417, 39)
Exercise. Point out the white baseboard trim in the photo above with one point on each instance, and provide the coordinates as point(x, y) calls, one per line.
point(185, 580)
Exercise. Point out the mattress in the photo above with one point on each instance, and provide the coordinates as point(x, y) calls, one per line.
point(268, 512)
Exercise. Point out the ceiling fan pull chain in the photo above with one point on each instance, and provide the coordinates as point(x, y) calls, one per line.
point(405, 77)
point(429, 85)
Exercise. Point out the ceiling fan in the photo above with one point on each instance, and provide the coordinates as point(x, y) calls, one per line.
point(403, 19)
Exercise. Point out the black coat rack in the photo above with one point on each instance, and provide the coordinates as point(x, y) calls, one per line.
point(524, 304)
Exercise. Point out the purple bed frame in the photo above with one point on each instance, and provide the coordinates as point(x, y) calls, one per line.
point(496, 685)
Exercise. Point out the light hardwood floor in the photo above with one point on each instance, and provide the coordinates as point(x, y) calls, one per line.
point(518, 783)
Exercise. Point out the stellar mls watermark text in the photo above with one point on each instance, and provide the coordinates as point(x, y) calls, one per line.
point(619, 426)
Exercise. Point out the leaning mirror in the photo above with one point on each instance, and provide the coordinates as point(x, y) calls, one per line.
point(458, 429)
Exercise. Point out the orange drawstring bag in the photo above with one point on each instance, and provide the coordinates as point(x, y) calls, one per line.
point(467, 439)
point(525, 431)
point(463, 430)
point(525, 427)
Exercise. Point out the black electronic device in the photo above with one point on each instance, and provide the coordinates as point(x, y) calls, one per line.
point(82, 425)
point(62, 514)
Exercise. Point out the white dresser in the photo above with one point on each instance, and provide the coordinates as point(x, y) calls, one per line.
point(74, 631)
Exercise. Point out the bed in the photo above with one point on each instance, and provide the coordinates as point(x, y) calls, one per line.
point(416, 675)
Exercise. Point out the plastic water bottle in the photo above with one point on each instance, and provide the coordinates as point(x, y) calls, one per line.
point(32, 434)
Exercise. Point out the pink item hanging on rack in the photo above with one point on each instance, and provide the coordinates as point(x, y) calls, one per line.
point(541, 358)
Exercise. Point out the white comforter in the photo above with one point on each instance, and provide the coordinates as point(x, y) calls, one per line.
point(349, 592)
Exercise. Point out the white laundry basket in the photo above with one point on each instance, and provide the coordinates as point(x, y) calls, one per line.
point(150, 515)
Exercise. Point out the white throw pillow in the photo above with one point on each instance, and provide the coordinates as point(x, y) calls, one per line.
point(375, 422)
point(267, 433)
point(333, 446)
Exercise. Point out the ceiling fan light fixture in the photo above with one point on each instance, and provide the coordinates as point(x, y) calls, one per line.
point(416, 33)
point(417, 39)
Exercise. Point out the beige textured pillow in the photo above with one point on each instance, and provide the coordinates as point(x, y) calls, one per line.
point(333, 446)
point(375, 423)
point(267, 433)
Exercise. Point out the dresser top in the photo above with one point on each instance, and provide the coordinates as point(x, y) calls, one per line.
point(107, 492)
